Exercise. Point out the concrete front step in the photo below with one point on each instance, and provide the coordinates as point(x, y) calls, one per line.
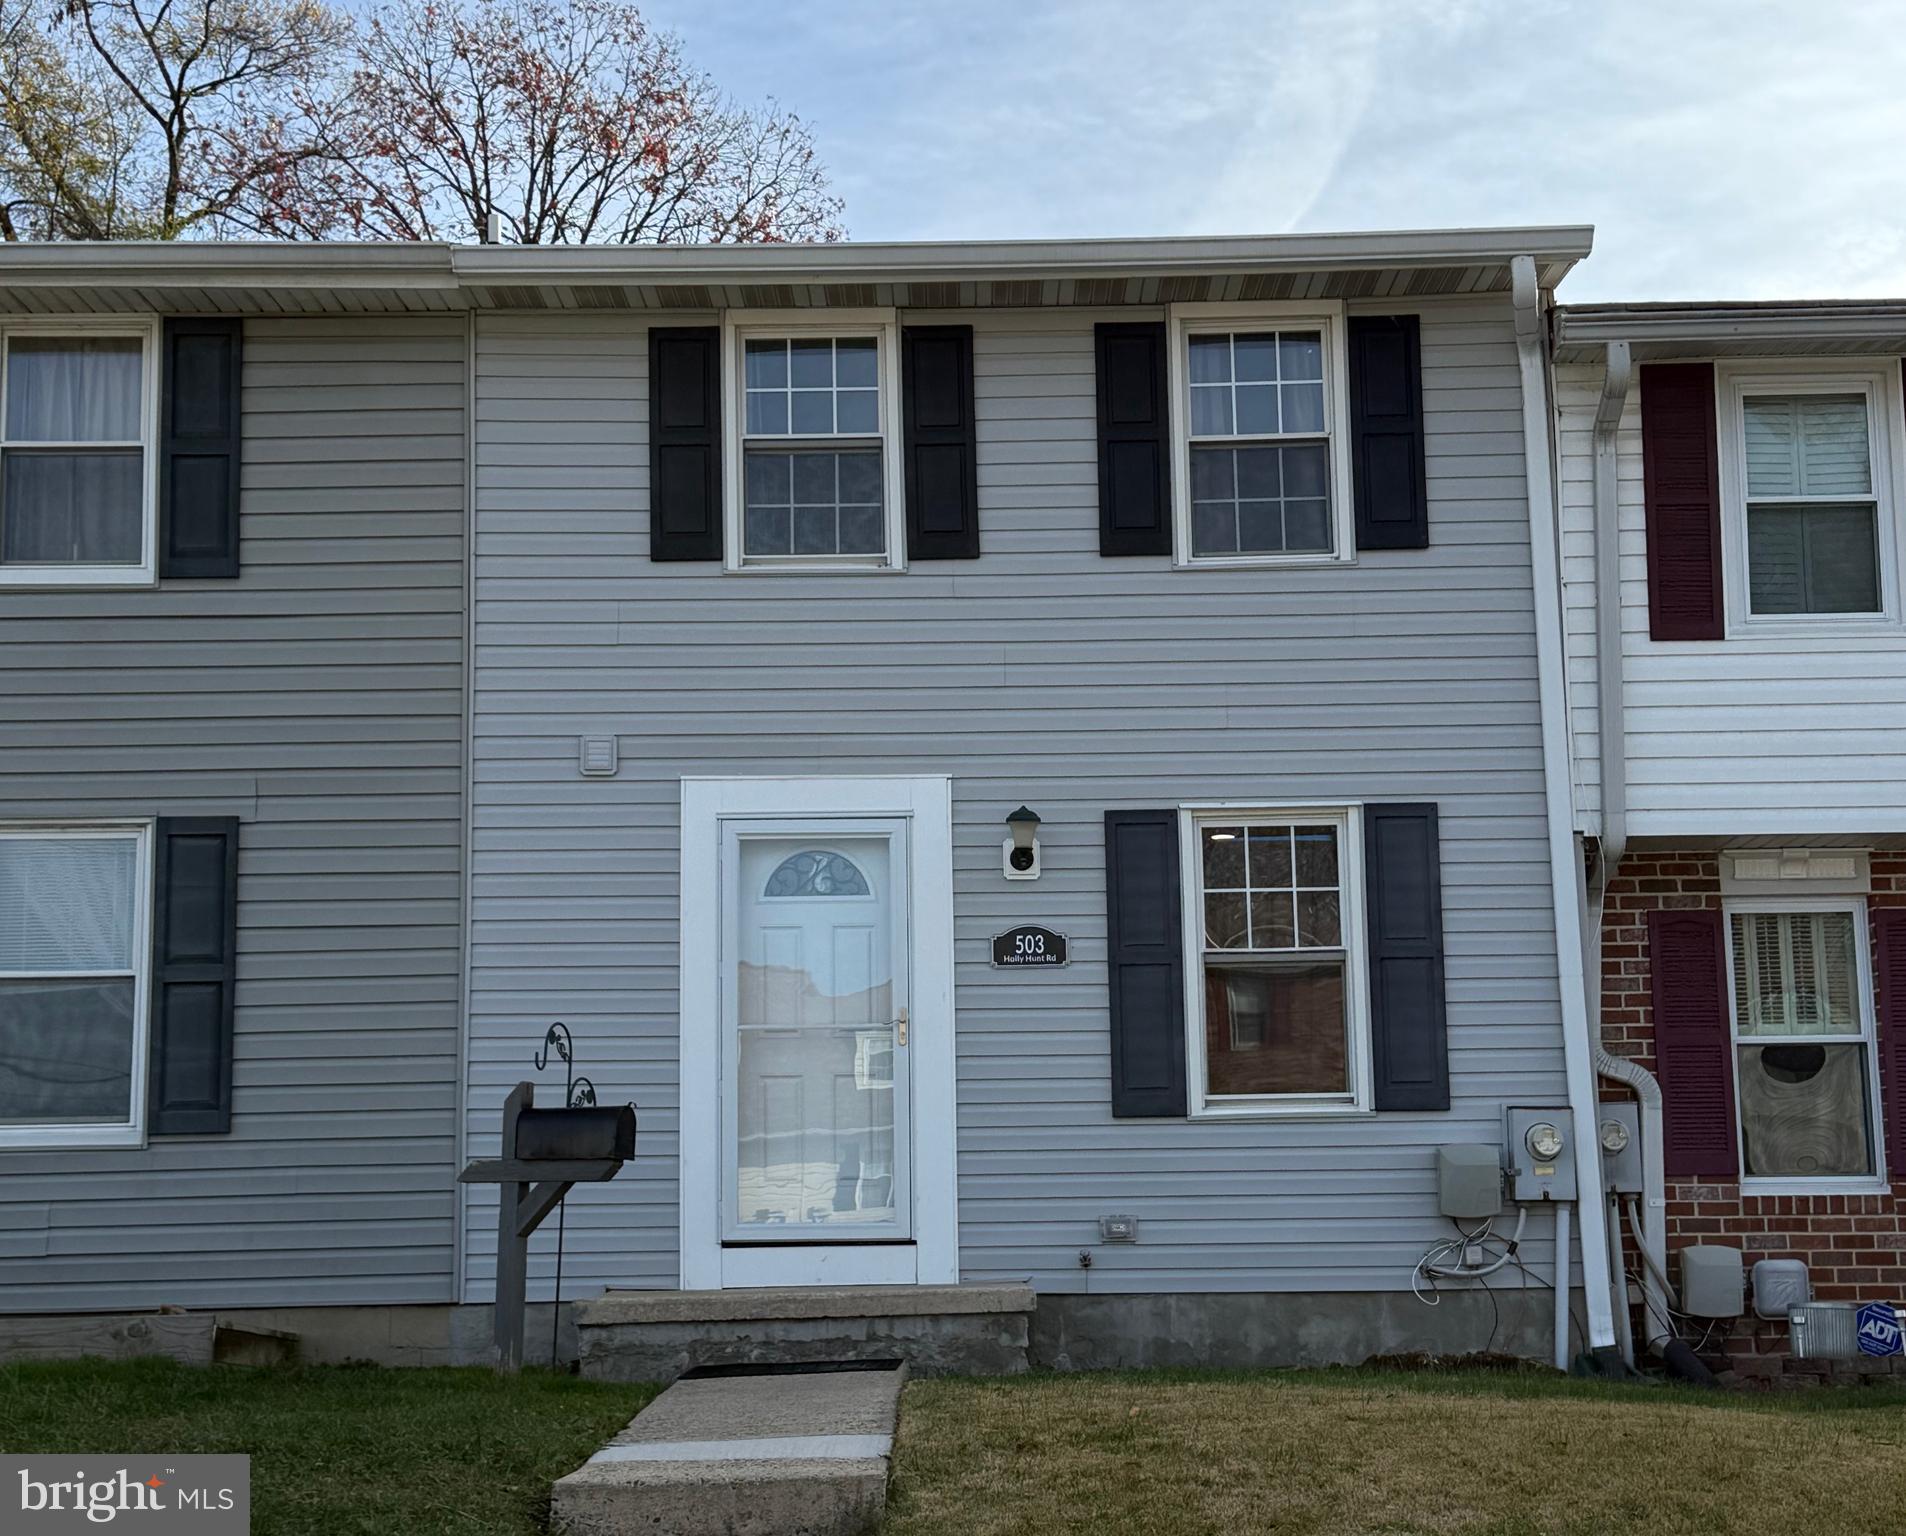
point(799, 1454)
point(939, 1330)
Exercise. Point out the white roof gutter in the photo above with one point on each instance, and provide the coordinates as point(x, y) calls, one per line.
point(386, 265)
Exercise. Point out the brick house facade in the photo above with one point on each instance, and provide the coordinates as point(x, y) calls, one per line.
point(1853, 1244)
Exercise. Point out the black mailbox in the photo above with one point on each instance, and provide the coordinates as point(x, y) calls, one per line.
point(576, 1135)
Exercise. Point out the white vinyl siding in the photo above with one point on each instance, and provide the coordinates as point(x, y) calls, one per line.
point(1719, 734)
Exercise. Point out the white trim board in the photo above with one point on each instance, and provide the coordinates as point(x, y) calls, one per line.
point(932, 1258)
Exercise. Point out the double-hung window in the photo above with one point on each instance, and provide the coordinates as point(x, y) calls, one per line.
point(73, 976)
point(1277, 1004)
point(1805, 1074)
point(1260, 460)
point(1806, 478)
point(814, 456)
point(77, 412)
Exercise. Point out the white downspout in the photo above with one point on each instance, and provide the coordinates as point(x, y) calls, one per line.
point(1613, 744)
point(1565, 858)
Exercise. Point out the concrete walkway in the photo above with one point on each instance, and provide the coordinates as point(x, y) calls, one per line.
point(793, 1453)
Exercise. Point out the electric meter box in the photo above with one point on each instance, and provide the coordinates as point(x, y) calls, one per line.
point(1469, 1181)
point(1619, 1129)
point(1541, 1151)
point(1713, 1281)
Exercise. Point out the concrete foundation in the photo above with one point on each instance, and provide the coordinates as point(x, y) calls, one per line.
point(1245, 1329)
point(950, 1330)
point(966, 1330)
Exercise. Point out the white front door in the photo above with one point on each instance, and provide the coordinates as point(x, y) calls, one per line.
point(817, 1054)
point(816, 1087)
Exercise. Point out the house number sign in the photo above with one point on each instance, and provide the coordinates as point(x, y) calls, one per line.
point(1029, 945)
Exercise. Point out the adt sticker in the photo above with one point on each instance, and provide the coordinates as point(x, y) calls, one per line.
point(1879, 1330)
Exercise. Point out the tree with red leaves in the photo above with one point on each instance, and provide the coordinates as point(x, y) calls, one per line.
point(566, 120)
point(571, 121)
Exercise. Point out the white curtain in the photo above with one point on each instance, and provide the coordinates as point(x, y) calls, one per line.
point(73, 389)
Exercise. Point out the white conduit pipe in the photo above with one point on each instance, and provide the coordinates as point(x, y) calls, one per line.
point(1624, 1326)
point(1563, 1269)
point(1613, 843)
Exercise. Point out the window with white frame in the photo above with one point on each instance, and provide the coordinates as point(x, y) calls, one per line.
point(1277, 1007)
point(76, 471)
point(73, 977)
point(1805, 1073)
point(1808, 494)
point(1260, 456)
point(815, 453)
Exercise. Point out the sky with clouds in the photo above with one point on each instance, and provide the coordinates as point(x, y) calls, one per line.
point(1739, 150)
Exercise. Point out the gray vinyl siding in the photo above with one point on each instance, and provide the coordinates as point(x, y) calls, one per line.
point(319, 698)
point(1040, 673)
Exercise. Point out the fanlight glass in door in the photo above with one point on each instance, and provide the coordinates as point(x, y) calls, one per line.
point(815, 1013)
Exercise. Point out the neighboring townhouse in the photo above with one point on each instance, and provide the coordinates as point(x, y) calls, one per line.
point(231, 778)
point(1028, 763)
point(1733, 495)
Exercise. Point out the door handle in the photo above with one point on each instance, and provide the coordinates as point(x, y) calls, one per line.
point(900, 1028)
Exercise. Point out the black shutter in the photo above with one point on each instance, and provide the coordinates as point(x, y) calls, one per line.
point(194, 969)
point(1403, 891)
point(199, 450)
point(942, 457)
point(685, 443)
point(1134, 488)
point(1386, 432)
point(1145, 962)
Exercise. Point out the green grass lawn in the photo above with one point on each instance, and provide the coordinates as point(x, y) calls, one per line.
point(1343, 1452)
point(336, 1449)
point(1328, 1453)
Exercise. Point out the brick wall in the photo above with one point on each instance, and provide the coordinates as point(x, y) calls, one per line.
point(1853, 1245)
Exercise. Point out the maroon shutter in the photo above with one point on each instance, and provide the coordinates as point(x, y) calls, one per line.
point(1692, 1043)
point(1681, 480)
point(1890, 924)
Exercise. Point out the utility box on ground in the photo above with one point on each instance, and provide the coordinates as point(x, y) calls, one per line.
point(1713, 1281)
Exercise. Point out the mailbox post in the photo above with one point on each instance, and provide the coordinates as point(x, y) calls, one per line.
point(546, 1152)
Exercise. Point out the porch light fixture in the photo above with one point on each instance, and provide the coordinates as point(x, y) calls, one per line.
point(1021, 849)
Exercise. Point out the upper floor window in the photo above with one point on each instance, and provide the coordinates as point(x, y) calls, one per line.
point(816, 457)
point(1277, 1008)
point(76, 498)
point(1805, 1073)
point(1807, 496)
point(1260, 459)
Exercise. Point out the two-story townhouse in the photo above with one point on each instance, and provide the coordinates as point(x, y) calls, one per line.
point(803, 575)
point(232, 491)
point(1042, 763)
point(1733, 490)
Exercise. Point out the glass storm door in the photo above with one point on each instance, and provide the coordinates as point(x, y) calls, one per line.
point(815, 1090)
